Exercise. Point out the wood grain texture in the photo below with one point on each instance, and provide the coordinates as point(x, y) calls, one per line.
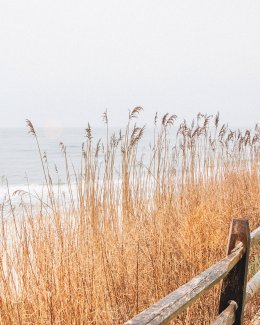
point(255, 237)
point(253, 286)
point(234, 285)
point(227, 317)
point(238, 249)
point(170, 306)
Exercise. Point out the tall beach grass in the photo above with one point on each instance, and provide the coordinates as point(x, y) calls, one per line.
point(137, 225)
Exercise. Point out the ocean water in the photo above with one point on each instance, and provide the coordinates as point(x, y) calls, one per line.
point(20, 157)
point(20, 162)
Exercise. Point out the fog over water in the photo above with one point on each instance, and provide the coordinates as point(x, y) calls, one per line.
point(20, 161)
point(67, 61)
point(63, 63)
point(21, 168)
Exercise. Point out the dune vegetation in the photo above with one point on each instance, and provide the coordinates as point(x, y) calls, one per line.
point(138, 223)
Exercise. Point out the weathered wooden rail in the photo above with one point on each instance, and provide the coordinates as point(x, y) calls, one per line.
point(235, 291)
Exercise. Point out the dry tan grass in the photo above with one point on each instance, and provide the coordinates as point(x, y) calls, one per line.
point(118, 246)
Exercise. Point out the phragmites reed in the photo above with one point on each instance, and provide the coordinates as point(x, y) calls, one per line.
point(168, 119)
point(136, 135)
point(135, 112)
point(31, 127)
point(145, 211)
point(89, 132)
point(105, 117)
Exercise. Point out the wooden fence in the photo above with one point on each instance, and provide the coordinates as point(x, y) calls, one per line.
point(235, 291)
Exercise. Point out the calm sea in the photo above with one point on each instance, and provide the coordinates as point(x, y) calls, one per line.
point(20, 161)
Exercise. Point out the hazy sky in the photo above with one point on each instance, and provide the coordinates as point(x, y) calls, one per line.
point(67, 61)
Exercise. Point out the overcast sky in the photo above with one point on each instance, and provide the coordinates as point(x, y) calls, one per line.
point(65, 62)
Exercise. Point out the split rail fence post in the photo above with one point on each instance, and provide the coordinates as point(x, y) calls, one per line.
point(234, 285)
